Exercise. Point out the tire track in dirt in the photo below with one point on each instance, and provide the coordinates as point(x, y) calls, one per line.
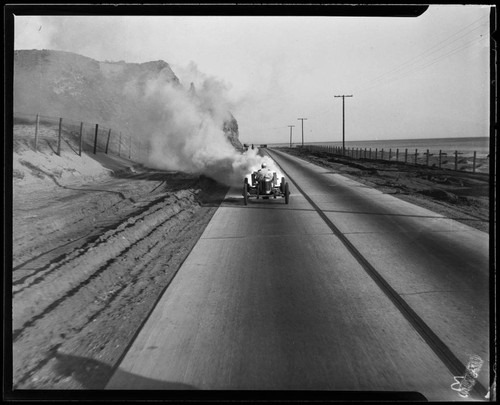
point(58, 261)
point(67, 212)
point(39, 295)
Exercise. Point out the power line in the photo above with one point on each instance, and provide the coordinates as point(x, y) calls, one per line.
point(426, 64)
point(397, 68)
point(451, 52)
point(428, 51)
point(423, 55)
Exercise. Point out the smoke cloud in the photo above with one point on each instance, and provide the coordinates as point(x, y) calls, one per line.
point(184, 129)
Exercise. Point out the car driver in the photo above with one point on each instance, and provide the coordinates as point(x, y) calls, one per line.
point(264, 173)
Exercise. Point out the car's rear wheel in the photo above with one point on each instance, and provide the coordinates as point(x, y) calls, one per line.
point(287, 193)
point(282, 185)
point(245, 191)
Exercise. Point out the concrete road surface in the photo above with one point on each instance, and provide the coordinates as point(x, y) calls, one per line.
point(272, 298)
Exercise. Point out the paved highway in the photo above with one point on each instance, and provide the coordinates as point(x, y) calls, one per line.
point(343, 289)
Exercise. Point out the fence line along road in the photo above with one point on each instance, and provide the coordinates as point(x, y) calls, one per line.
point(80, 136)
point(407, 156)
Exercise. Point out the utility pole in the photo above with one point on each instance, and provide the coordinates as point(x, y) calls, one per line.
point(302, 129)
point(291, 126)
point(343, 122)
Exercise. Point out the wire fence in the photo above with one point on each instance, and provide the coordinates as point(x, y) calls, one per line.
point(442, 160)
point(66, 135)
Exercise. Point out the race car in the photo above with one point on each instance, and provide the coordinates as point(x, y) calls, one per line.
point(265, 188)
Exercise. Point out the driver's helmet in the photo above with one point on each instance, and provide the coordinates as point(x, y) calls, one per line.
point(263, 166)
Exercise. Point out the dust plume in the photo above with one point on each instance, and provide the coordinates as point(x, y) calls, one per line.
point(184, 128)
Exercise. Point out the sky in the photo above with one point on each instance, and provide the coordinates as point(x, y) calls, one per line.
point(409, 77)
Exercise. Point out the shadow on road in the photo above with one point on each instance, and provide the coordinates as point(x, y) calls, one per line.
point(95, 375)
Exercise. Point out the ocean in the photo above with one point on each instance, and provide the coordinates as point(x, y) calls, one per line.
point(464, 146)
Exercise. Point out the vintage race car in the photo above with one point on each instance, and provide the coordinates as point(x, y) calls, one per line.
point(265, 188)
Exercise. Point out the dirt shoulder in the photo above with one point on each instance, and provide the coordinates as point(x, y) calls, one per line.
point(90, 262)
point(462, 196)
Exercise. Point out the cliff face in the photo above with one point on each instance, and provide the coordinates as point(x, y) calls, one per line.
point(64, 84)
point(230, 128)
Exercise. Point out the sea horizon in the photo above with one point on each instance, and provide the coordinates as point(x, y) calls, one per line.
point(463, 145)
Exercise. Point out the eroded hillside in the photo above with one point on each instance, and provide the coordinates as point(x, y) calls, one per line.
point(113, 94)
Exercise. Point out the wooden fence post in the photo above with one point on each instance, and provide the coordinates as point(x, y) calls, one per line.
point(95, 138)
point(439, 158)
point(427, 164)
point(376, 153)
point(456, 160)
point(81, 140)
point(36, 132)
point(474, 163)
point(370, 153)
point(107, 142)
point(397, 155)
point(382, 154)
point(390, 154)
point(416, 155)
point(59, 138)
point(406, 155)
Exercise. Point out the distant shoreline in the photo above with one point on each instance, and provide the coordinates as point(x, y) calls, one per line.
point(481, 145)
point(476, 138)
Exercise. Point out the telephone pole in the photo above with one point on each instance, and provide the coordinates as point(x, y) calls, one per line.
point(343, 122)
point(302, 129)
point(291, 126)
